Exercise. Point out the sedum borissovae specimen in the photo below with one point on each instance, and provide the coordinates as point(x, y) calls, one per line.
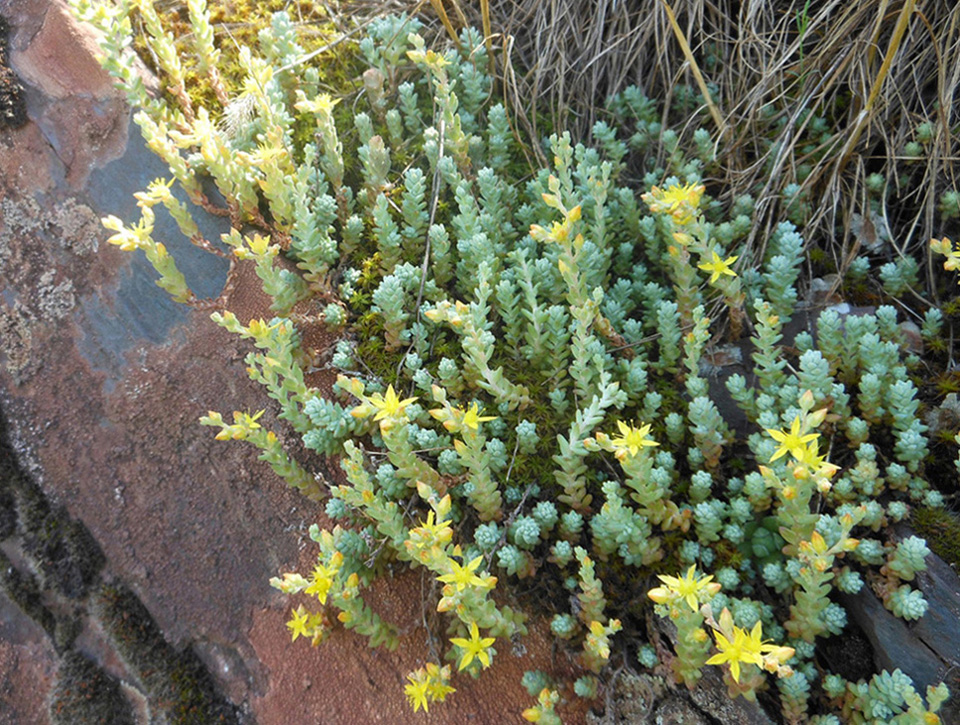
point(525, 383)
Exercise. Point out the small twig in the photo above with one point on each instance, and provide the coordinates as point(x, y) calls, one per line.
point(516, 446)
point(329, 46)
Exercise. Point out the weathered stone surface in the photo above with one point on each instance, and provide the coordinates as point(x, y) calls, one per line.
point(677, 711)
point(59, 61)
point(710, 696)
point(84, 133)
point(28, 665)
point(938, 628)
point(27, 162)
point(69, 96)
point(927, 650)
point(632, 699)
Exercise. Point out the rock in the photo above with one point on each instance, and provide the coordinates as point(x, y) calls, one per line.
point(13, 108)
point(28, 665)
point(912, 336)
point(945, 416)
point(823, 291)
point(632, 700)
point(84, 133)
point(26, 675)
point(894, 646)
point(60, 59)
point(710, 695)
point(678, 711)
point(938, 628)
point(68, 95)
point(28, 164)
point(928, 651)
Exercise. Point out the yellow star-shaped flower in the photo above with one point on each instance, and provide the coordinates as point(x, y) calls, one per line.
point(389, 405)
point(322, 579)
point(463, 576)
point(719, 267)
point(746, 648)
point(298, 625)
point(741, 649)
point(475, 647)
point(416, 692)
point(633, 439)
point(472, 418)
point(688, 588)
point(811, 461)
point(792, 442)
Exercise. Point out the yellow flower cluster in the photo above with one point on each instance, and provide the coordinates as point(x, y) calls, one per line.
point(323, 576)
point(307, 624)
point(427, 539)
point(945, 246)
point(817, 554)
point(243, 425)
point(803, 445)
point(428, 684)
point(559, 231)
point(690, 589)
point(680, 202)
point(737, 646)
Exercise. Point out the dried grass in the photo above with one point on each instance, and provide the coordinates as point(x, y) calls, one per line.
point(875, 68)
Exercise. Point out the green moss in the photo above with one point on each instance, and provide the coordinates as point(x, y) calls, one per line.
point(951, 308)
point(236, 24)
point(8, 512)
point(948, 382)
point(825, 262)
point(86, 695)
point(22, 589)
point(66, 555)
point(941, 529)
point(177, 683)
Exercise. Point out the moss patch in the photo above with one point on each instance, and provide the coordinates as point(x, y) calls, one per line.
point(13, 105)
point(941, 529)
point(177, 683)
point(86, 694)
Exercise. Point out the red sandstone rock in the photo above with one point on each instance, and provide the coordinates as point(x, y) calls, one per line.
point(27, 162)
point(60, 60)
point(27, 667)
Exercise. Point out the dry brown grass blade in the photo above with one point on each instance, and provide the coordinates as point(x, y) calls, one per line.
point(695, 69)
point(461, 18)
point(488, 33)
point(867, 113)
point(441, 11)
